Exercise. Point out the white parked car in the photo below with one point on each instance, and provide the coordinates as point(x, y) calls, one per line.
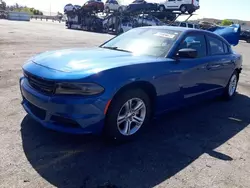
point(148, 20)
point(68, 8)
point(124, 27)
point(186, 24)
point(113, 5)
point(182, 5)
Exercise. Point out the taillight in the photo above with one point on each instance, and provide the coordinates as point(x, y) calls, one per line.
point(193, 2)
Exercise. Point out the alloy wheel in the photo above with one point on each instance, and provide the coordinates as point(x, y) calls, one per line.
point(232, 85)
point(131, 116)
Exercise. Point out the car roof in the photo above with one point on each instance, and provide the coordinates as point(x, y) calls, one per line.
point(174, 28)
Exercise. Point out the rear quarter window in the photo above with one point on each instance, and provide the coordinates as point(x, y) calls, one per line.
point(226, 48)
point(216, 46)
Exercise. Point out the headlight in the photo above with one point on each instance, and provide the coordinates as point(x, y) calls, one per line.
point(78, 89)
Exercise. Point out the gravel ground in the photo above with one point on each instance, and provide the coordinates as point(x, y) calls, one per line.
point(207, 145)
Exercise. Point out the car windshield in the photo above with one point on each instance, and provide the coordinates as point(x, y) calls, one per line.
point(144, 41)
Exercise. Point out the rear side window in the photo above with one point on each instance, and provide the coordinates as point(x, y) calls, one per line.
point(196, 26)
point(216, 46)
point(190, 25)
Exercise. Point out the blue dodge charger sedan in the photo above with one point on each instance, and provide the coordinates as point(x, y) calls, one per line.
point(117, 87)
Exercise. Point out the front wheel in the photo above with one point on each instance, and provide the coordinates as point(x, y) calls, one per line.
point(162, 8)
point(127, 115)
point(120, 9)
point(230, 90)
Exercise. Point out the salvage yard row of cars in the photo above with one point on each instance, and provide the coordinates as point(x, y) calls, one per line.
point(114, 17)
point(184, 6)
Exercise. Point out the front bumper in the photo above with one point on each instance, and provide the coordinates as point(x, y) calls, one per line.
point(76, 115)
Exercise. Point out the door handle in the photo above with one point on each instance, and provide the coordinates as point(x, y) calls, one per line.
point(215, 66)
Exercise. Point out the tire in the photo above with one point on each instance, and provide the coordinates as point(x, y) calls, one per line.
point(118, 108)
point(183, 8)
point(231, 88)
point(120, 9)
point(190, 11)
point(120, 31)
point(162, 8)
point(248, 40)
point(107, 9)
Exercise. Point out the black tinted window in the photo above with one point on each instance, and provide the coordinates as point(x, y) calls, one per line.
point(216, 46)
point(183, 25)
point(196, 42)
point(190, 25)
point(196, 26)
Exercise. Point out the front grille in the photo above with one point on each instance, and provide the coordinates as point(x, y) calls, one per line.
point(40, 84)
point(38, 112)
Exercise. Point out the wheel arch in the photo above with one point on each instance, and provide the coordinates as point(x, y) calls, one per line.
point(145, 86)
point(238, 70)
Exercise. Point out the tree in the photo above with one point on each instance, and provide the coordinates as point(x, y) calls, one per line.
point(2, 5)
point(226, 22)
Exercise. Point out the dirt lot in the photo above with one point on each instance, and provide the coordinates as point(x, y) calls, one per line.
point(207, 145)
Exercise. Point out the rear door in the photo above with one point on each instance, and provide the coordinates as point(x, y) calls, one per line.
point(222, 62)
point(171, 4)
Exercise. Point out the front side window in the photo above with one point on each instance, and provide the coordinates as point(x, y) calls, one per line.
point(216, 46)
point(196, 42)
point(144, 41)
point(183, 24)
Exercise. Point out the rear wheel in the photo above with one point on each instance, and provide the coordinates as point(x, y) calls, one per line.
point(107, 9)
point(231, 88)
point(248, 40)
point(190, 11)
point(127, 115)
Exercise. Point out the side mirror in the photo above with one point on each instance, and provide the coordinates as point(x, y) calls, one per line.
point(187, 53)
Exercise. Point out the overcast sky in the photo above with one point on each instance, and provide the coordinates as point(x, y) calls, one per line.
point(221, 9)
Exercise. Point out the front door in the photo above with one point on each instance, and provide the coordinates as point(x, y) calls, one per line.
point(195, 75)
point(171, 4)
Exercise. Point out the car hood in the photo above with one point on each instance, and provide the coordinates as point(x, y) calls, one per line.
point(88, 60)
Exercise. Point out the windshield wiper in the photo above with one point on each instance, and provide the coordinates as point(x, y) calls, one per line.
point(115, 48)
